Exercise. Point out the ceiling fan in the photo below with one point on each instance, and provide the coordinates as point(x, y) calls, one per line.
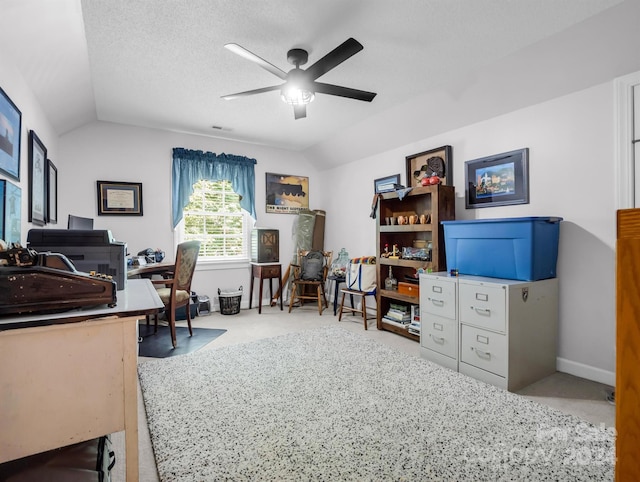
point(300, 86)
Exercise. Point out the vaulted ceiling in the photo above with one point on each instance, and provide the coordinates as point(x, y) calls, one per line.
point(434, 64)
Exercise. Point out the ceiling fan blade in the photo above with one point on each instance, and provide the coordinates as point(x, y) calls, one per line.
point(334, 58)
point(251, 92)
point(300, 111)
point(242, 52)
point(331, 89)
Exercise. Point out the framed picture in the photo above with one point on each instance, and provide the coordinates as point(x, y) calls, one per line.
point(497, 180)
point(52, 193)
point(37, 180)
point(119, 198)
point(436, 162)
point(386, 184)
point(287, 194)
point(10, 129)
point(10, 217)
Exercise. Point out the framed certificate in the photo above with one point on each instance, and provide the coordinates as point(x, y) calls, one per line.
point(119, 198)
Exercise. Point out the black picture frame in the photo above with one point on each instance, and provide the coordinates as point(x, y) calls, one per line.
point(497, 180)
point(52, 193)
point(119, 198)
point(437, 162)
point(37, 180)
point(10, 136)
point(386, 184)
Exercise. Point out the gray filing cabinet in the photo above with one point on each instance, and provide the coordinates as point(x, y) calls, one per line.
point(439, 319)
point(501, 331)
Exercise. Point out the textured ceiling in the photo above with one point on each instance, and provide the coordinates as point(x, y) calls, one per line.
point(162, 63)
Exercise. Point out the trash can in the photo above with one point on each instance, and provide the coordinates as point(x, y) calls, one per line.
point(230, 301)
point(204, 305)
point(181, 312)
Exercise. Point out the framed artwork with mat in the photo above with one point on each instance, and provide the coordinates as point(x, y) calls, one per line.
point(434, 162)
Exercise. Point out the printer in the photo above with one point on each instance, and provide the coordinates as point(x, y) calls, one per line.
point(88, 250)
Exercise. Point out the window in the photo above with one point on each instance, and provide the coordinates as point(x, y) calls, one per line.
point(214, 217)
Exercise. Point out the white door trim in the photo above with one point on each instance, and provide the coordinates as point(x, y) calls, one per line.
point(623, 130)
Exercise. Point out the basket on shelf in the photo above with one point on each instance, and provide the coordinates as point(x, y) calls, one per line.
point(230, 301)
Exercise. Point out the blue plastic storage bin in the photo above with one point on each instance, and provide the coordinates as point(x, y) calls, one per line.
point(523, 249)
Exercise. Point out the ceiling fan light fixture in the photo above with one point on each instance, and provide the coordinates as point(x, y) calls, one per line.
point(301, 86)
point(296, 96)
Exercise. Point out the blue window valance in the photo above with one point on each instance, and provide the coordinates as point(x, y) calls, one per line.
point(190, 167)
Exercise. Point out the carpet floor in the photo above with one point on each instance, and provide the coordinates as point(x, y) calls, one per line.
point(159, 345)
point(327, 404)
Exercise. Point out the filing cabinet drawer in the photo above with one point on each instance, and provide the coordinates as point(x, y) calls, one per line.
point(483, 305)
point(484, 349)
point(439, 334)
point(438, 296)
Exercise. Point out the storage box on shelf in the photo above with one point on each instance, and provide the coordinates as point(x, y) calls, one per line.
point(501, 331)
point(433, 203)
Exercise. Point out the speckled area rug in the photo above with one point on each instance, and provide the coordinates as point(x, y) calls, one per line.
point(329, 404)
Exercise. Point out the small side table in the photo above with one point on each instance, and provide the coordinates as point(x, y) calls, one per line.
point(337, 280)
point(265, 271)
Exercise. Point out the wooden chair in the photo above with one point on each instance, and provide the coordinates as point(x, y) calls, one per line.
point(363, 310)
point(175, 289)
point(309, 289)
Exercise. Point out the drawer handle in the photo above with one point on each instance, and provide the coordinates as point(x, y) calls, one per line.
point(482, 354)
point(437, 302)
point(437, 339)
point(483, 311)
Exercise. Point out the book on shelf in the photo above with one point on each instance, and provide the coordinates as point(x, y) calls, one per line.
point(415, 313)
point(399, 324)
point(398, 316)
point(399, 307)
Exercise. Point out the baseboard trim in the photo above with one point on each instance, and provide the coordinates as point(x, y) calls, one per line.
point(586, 371)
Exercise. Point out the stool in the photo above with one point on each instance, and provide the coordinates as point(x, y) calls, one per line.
point(353, 310)
point(336, 280)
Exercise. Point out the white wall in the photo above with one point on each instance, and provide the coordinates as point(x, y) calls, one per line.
point(571, 167)
point(113, 152)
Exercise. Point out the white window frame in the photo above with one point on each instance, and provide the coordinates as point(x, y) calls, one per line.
point(207, 263)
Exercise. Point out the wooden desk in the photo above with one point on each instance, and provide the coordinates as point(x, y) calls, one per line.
point(265, 271)
point(70, 377)
point(148, 270)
